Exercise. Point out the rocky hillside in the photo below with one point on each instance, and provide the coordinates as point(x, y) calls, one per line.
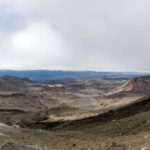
point(12, 83)
point(140, 85)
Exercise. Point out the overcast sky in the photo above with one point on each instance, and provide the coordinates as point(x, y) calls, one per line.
point(104, 35)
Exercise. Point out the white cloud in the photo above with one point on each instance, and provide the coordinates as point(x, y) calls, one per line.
point(40, 38)
point(37, 46)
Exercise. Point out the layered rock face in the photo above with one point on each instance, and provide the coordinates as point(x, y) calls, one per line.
point(141, 84)
point(136, 85)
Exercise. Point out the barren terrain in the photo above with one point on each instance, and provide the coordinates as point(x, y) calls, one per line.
point(84, 114)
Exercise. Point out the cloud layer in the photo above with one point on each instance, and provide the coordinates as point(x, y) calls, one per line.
point(75, 35)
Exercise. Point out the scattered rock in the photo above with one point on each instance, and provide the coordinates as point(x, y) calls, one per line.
point(8, 145)
point(114, 144)
point(3, 135)
point(15, 126)
point(74, 145)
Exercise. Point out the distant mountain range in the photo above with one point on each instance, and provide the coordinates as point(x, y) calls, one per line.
point(42, 75)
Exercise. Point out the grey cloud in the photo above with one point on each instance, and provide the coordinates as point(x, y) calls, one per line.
point(94, 34)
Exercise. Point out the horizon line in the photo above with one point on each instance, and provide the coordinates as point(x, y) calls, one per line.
point(67, 70)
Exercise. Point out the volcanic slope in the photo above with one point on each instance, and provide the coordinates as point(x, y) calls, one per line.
point(132, 118)
point(134, 112)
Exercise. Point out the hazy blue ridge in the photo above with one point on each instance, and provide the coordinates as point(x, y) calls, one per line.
point(50, 74)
